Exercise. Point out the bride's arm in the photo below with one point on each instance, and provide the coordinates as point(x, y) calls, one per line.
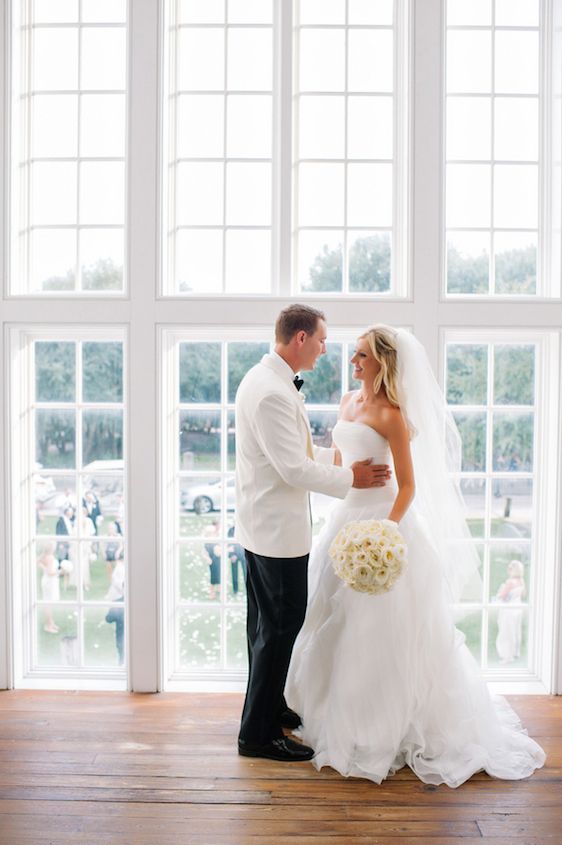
point(393, 427)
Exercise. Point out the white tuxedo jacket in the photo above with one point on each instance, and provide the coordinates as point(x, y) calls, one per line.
point(277, 464)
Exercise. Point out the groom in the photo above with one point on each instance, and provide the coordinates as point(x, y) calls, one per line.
point(276, 467)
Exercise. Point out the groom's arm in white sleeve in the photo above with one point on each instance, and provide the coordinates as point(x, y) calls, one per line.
point(277, 432)
point(323, 455)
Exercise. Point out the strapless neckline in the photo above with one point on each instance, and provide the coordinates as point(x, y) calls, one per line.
point(364, 425)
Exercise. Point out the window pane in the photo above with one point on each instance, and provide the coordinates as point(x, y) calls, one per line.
point(55, 59)
point(200, 127)
point(472, 428)
point(474, 495)
point(323, 385)
point(248, 194)
point(470, 624)
point(199, 639)
point(468, 262)
point(321, 127)
point(368, 12)
point(200, 440)
point(246, 276)
point(241, 357)
point(200, 372)
point(236, 643)
point(369, 195)
point(102, 127)
point(512, 508)
point(250, 11)
point(102, 434)
point(369, 261)
point(513, 442)
point(370, 127)
point(200, 567)
point(102, 259)
point(102, 366)
point(475, 13)
point(320, 261)
point(517, 63)
point(57, 637)
point(516, 134)
point(467, 374)
point(201, 59)
point(55, 371)
point(517, 13)
point(469, 134)
point(53, 193)
point(104, 636)
point(54, 125)
point(109, 73)
point(55, 11)
point(468, 195)
point(55, 438)
point(53, 260)
point(516, 262)
point(508, 633)
point(322, 60)
point(464, 74)
point(200, 502)
point(514, 374)
point(249, 126)
point(199, 260)
point(102, 192)
point(516, 196)
point(104, 11)
point(321, 11)
point(321, 194)
point(199, 194)
point(193, 11)
point(55, 508)
point(248, 49)
point(370, 64)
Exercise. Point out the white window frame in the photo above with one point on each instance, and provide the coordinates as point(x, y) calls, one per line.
point(145, 313)
point(12, 290)
point(21, 393)
point(283, 269)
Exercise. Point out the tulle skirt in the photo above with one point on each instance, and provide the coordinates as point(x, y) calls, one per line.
point(387, 681)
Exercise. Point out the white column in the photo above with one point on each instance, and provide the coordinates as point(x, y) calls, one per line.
point(143, 221)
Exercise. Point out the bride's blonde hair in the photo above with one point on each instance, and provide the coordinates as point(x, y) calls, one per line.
point(382, 343)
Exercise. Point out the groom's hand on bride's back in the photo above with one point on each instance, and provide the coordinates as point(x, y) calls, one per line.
point(367, 474)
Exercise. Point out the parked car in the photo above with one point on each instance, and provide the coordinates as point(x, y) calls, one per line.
point(204, 498)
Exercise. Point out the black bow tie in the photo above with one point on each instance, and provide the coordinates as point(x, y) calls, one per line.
point(298, 382)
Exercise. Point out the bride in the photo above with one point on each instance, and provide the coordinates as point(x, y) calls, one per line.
point(386, 681)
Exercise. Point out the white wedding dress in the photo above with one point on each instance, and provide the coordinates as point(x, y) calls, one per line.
point(386, 681)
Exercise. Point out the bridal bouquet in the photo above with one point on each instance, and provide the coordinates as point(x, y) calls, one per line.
point(369, 555)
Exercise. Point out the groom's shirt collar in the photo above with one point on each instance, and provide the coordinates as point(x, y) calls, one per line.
point(277, 363)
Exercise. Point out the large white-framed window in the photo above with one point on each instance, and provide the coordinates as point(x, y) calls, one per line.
point(285, 148)
point(68, 147)
point(145, 311)
point(68, 484)
point(499, 388)
point(501, 126)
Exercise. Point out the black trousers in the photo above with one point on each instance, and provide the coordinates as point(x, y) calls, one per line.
point(277, 595)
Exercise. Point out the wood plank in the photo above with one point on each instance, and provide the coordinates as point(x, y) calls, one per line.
point(165, 768)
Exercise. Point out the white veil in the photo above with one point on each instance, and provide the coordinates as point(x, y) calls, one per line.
point(436, 452)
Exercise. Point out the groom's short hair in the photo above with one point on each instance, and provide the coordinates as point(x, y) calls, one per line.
point(296, 318)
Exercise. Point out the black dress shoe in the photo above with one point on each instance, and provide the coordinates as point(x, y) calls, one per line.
point(284, 749)
point(290, 719)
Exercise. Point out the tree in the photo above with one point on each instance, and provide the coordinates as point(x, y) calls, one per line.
point(369, 266)
point(103, 275)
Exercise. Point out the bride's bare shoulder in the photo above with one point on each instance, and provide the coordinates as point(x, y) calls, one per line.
point(346, 401)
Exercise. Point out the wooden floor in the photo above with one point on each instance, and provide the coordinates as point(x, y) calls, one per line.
point(112, 768)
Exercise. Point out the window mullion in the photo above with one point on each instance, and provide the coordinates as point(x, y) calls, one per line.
point(282, 148)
